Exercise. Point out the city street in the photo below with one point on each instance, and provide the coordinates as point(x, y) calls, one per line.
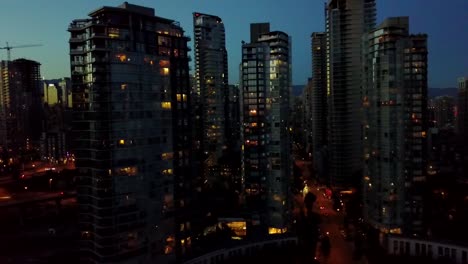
point(332, 222)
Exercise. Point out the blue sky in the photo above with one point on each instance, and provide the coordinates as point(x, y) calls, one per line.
point(46, 22)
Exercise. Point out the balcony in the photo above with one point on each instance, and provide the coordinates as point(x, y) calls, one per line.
point(74, 63)
point(77, 51)
point(76, 39)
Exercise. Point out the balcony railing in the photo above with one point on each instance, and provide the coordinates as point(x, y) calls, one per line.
point(225, 254)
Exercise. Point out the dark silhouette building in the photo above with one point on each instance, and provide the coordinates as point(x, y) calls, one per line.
point(211, 84)
point(320, 94)
point(346, 22)
point(20, 102)
point(463, 106)
point(132, 137)
point(395, 127)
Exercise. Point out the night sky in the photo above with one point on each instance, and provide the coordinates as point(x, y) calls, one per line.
point(46, 21)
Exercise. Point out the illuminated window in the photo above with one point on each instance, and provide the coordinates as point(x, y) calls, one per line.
point(181, 97)
point(167, 172)
point(170, 244)
point(253, 112)
point(123, 86)
point(167, 155)
point(113, 33)
point(130, 171)
point(164, 71)
point(166, 105)
point(273, 230)
point(121, 57)
point(122, 142)
point(238, 227)
point(164, 63)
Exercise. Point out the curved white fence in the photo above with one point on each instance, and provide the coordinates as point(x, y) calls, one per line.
point(219, 256)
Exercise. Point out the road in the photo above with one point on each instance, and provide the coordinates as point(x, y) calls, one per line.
point(332, 221)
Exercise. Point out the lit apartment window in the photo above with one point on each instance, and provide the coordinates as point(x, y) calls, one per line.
point(122, 142)
point(181, 97)
point(164, 63)
point(170, 244)
point(130, 171)
point(167, 155)
point(167, 172)
point(273, 230)
point(123, 86)
point(166, 105)
point(164, 71)
point(113, 33)
point(122, 57)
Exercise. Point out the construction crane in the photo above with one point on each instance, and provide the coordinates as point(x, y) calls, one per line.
point(8, 48)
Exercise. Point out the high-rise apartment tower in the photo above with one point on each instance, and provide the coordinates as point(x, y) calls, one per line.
point(131, 124)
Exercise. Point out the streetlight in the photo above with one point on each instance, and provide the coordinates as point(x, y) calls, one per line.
point(50, 184)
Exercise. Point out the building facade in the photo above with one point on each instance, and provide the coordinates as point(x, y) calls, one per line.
point(307, 94)
point(443, 109)
point(131, 125)
point(320, 105)
point(57, 106)
point(462, 119)
point(395, 128)
point(346, 22)
point(266, 138)
point(20, 102)
point(211, 76)
point(57, 92)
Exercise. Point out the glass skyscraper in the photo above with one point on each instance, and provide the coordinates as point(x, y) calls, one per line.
point(319, 105)
point(395, 128)
point(266, 136)
point(132, 142)
point(346, 22)
point(211, 77)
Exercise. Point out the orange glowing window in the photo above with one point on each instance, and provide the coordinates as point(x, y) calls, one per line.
point(170, 244)
point(164, 63)
point(130, 171)
point(167, 155)
point(121, 57)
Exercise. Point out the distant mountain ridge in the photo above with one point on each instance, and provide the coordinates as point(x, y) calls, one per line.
point(433, 92)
